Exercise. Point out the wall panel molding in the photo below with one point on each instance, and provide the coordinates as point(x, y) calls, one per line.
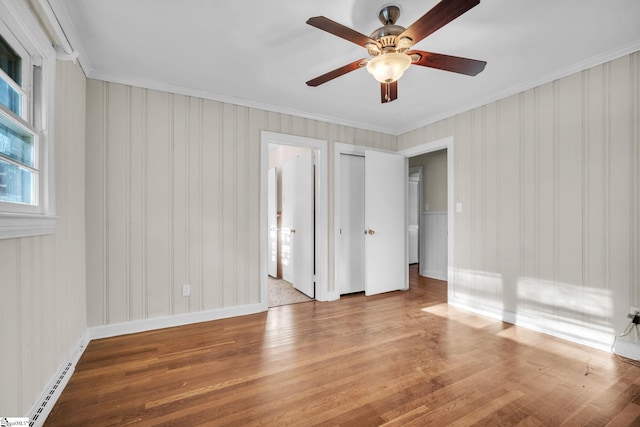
point(175, 199)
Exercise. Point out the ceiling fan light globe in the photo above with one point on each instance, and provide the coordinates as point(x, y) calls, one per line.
point(389, 67)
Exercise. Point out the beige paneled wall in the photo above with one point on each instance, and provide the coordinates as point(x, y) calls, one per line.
point(173, 198)
point(549, 180)
point(42, 279)
point(434, 171)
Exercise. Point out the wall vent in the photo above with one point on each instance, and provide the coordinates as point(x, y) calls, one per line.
point(43, 410)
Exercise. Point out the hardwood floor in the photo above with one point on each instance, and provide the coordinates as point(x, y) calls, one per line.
point(403, 358)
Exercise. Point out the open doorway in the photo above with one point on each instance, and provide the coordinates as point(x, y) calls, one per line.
point(428, 229)
point(291, 206)
point(441, 212)
point(312, 266)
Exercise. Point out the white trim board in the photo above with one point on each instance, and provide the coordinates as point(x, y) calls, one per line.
point(524, 86)
point(569, 332)
point(135, 326)
point(212, 96)
point(199, 93)
point(626, 349)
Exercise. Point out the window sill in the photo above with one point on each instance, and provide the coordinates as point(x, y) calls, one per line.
point(13, 226)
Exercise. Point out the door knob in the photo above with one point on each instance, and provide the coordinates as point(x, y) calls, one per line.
point(371, 232)
point(292, 231)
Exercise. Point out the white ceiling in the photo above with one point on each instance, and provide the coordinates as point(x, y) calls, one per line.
point(260, 53)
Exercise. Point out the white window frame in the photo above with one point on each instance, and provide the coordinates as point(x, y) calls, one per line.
point(18, 25)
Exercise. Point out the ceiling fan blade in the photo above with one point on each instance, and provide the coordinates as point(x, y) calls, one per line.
point(439, 16)
point(455, 64)
point(336, 73)
point(339, 30)
point(388, 91)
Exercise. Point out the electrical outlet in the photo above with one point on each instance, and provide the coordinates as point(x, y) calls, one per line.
point(186, 290)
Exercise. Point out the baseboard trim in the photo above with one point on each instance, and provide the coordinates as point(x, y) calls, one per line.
point(626, 349)
point(49, 396)
point(433, 274)
point(135, 326)
point(331, 296)
point(599, 340)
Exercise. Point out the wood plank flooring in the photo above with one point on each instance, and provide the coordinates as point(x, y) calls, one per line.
point(398, 359)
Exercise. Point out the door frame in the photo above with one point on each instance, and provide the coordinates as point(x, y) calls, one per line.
point(359, 150)
point(320, 148)
point(420, 171)
point(448, 144)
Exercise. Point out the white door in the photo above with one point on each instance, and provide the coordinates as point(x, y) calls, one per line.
point(351, 262)
point(272, 223)
point(287, 195)
point(297, 223)
point(386, 266)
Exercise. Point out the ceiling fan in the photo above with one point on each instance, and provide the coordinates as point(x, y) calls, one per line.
point(389, 45)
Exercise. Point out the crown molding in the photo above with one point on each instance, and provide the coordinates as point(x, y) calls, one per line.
point(530, 84)
point(539, 81)
point(199, 93)
point(66, 23)
point(69, 30)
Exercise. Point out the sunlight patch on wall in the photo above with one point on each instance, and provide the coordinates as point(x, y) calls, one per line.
point(482, 288)
point(584, 304)
point(579, 312)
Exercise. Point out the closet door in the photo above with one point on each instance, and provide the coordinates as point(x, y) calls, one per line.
point(351, 277)
point(385, 248)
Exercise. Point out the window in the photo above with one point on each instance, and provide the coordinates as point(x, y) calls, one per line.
point(27, 73)
point(11, 92)
point(18, 172)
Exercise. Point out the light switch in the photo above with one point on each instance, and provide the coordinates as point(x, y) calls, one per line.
point(459, 207)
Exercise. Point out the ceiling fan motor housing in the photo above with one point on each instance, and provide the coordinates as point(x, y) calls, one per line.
point(386, 35)
point(389, 14)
